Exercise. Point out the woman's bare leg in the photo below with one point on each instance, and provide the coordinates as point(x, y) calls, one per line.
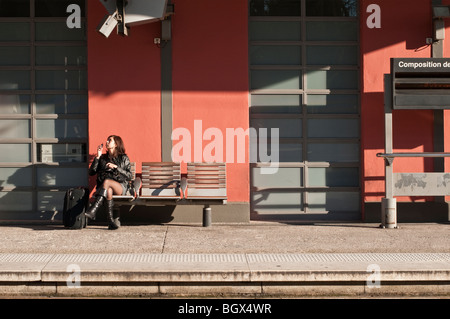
point(112, 187)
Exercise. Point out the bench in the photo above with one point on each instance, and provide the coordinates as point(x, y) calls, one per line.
point(163, 184)
point(206, 185)
point(160, 181)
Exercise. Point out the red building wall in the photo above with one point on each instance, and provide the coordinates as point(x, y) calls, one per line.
point(210, 76)
point(405, 25)
point(210, 81)
point(124, 87)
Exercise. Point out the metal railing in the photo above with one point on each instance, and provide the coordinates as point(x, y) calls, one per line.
point(388, 203)
point(389, 157)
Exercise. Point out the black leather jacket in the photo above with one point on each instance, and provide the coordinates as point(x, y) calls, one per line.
point(121, 174)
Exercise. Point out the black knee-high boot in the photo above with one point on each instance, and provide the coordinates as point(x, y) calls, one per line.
point(99, 199)
point(109, 214)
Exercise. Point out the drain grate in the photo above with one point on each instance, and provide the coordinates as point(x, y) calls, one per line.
point(356, 257)
point(149, 258)
point(25, 258)
point(225, 258)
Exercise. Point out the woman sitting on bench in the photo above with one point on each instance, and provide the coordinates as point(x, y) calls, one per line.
point(113, 171)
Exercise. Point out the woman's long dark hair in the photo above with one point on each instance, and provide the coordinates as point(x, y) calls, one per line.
point(120, 147)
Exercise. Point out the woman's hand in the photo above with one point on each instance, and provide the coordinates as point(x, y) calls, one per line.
point(111, 166)
point(99, 150)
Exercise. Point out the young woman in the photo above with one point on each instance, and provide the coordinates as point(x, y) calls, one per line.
point(113, 171)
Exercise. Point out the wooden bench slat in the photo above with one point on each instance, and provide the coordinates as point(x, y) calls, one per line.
point(160, 186)
point(207, 186)
point(158, 169)
point(205, 182)
point(205, 177)
point(211, 169)
point(160, 163)
point(159, 179)
point(200, 173)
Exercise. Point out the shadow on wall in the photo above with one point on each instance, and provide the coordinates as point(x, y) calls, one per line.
point(16, 193)
point(412, 129)
point(16, 196)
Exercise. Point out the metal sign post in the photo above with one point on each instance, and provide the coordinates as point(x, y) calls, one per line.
point(388, 203)
point(414, 83)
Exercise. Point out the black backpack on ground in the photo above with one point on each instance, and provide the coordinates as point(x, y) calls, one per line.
point(76, 203)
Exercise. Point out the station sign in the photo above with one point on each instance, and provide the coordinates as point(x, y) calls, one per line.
point(420, 83)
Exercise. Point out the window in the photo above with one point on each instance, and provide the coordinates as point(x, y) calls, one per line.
point(304, 80)
point(43, 105)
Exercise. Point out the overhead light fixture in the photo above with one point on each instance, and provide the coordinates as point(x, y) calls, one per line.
point(116, 18)
point(107, 25)
point(137, 12)
point(441, 12)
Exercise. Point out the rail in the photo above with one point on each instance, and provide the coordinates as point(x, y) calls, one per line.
point(389, 157)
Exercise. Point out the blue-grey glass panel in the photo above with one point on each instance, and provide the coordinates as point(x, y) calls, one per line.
point(286, 152)
point(275, 31)
point(15, 56)
point(273, 202)
point(284, 177)
point(15, 153)
point(334, 201)
point(333, 176)
point(275, 8)
point(332, 8)
point(58, 31)
point(14, 104)
point(286, 127)
point(332, 30)
point(290, 152)
point(16, 201)
point(61, 177)
point(276, 103)
point(333, 152)
point(332, 79)
point(334, 128)
point(332, 104)
point(275, 55)
point(15, 128)
point(14, 80)
point(70, 128)
point(14, 8)
point(60, 153)
point(331, 55)
point(61, 55)
point(15, 176)
point(276, 79)
point(57, 8)
point(61, 80)
point(50, 201)
point(14, 31)
point(61, 104)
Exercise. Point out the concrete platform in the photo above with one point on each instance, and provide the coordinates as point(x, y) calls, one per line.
point(256, 260)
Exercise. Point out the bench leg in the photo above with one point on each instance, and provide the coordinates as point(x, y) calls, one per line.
point(206, 216)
